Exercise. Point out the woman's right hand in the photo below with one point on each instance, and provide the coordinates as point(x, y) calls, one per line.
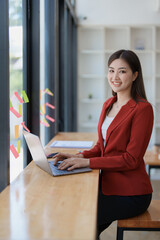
point(62, 156)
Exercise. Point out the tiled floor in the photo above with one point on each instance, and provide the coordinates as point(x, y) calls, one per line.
point(110, 233)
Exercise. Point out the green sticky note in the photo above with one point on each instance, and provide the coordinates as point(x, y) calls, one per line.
point(26, 100)
point(11, 104)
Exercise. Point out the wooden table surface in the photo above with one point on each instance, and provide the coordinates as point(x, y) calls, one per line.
point(39, 206)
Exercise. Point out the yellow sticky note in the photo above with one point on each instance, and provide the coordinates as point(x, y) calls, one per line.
point(19, 146)
point(49, 92)
point(26, 100)
point(43, 109)
point(20, 109)
point(16, 131)
point(44, 120)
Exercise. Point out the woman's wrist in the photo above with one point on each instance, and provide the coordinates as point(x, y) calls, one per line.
point(80, 155)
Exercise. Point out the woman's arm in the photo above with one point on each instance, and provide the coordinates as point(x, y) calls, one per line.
point(141, 130)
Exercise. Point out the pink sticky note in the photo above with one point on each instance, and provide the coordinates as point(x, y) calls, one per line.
point(45, 124)
point(15, 112)
point(19, 98)
point(50, 118)
point(50, 105)
point(25, 127)
point(14, 151)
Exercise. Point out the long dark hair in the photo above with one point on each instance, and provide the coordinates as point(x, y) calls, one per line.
point(132, 59)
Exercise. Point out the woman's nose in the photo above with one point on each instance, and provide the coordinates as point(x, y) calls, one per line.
point(116, 75)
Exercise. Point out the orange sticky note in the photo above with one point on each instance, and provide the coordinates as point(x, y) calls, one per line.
point(18, 97)
point(16, 131)
point(15, 112)
point(50, 105)
point(50, 118)
point(14, 151)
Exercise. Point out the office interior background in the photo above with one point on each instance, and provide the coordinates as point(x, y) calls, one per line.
point(63, 46)
point(56, 52)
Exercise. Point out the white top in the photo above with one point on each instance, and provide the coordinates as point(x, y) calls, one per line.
point(105, 126)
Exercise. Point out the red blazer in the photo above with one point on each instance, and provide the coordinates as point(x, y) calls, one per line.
point(121, 160)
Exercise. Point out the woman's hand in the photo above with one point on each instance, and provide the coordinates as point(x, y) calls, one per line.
point(62, 156)
point(74, 162)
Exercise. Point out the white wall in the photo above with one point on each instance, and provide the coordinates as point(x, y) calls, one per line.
point(114, 12)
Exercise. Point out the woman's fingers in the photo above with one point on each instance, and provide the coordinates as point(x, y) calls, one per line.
point(62, 156)
point(72, 163)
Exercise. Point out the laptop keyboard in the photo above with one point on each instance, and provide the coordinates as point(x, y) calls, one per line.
point(55, 169)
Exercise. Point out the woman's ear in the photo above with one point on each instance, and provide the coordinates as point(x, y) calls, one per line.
point(135, 75)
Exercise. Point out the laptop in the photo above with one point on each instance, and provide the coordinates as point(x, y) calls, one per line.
point(39, 157)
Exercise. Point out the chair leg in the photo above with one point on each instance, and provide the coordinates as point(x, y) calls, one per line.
point(119, 233)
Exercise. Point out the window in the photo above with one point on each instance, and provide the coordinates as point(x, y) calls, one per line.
point(16, 86)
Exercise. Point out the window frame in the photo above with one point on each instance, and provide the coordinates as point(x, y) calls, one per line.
point(67, 72)
point(31, 67)
point(4, 96)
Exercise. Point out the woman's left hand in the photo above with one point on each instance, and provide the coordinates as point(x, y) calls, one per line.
point(72, 163)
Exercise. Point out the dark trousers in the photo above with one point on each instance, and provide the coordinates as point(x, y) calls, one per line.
point(111, 208)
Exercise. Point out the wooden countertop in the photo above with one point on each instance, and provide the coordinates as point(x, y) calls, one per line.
point(39, 206)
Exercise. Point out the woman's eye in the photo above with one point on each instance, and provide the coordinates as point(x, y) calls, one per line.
point(111, 71)
point(122, 71)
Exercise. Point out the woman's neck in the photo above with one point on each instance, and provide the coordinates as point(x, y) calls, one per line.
point(122, 100)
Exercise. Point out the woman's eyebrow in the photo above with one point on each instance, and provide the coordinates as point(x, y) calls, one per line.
point(119, 67)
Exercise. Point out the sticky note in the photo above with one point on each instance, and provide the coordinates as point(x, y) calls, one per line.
point(42, 113)
point(50, 118)
point(50, 105)
point(45, 124)
point(18, 97)
point(44, 120)
point(43, 108)
point(19, 146)
point(26, 100)
point(49, 92)
point(11, 104)
point(16, 131)
point(20, 109)
point(15, 112)
point(23, 124)
point(14, 151)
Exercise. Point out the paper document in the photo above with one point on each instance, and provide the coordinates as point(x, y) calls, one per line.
point(72, 144)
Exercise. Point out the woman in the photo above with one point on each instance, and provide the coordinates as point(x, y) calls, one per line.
point(124, 131)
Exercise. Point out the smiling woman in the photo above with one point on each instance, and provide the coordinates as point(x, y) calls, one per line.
point(124, 130)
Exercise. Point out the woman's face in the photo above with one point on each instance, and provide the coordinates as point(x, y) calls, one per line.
point(120, 76)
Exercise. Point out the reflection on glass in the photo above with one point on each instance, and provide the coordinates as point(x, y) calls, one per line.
point(16, 82)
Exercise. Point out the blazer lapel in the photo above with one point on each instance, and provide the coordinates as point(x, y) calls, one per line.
point(120, 117)
point(102, 117)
